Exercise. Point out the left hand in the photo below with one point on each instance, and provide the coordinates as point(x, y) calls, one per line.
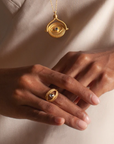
point(93, 70)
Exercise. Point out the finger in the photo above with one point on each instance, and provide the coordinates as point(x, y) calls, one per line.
point(97, 89)
point(63, 103)
point(83, 105)
point(89, 80)
point(77, 64)
point(69, 95)
point(66, 93)
point(71, 68)
point(73, 72)
point(104, 83)
point(85, 78)
point(61, 65)
point(93, 72)
point(70, 84)
point(40, 116)
point(53, 110)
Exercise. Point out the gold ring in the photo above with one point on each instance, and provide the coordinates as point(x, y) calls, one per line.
point(51, 95)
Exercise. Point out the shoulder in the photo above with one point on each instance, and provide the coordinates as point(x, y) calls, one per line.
point(12, 5)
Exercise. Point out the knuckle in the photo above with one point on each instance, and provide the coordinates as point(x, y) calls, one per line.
point(17, 92)
point(105, 77)
point(50, 108)
point(67, 80)
point(19, 96)
point(96, 66)
point(48, 118)
point(71, 121)
point(36, 68)
point(82, 58)
point(80, 113)
point(34, 115)
point(24, 80)
point(69, 54)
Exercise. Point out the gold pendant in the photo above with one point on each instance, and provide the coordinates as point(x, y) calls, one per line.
point(56, 29)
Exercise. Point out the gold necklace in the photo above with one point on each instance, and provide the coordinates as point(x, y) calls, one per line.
point(56, 28)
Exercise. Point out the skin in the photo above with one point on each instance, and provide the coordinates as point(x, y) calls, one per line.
point(22, 96)
point(94, 70)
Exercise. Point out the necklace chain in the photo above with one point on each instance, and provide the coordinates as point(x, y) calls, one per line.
point(55, 11)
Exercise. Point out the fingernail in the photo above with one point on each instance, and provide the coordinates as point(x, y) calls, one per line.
point(87, 119)
point(95, 100)
point(81, 124)
point(59, 120)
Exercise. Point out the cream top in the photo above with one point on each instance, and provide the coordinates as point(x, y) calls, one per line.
point(23, 41)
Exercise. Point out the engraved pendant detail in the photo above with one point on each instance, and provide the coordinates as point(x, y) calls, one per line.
point(56, 28)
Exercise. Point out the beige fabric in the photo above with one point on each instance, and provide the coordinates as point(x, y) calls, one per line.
point(23, 41)
point(13, 5)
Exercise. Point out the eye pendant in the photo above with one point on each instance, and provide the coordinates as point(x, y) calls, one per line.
point(56, 28)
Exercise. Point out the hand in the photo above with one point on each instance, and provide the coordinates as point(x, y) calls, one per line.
point(93, 70)
point(22, 95)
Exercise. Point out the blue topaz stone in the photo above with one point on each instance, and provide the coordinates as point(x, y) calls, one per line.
point(56, 28)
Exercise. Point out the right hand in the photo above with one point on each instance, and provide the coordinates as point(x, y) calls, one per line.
point(22, 95)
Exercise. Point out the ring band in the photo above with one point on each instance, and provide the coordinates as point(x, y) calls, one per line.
point(51, 95)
